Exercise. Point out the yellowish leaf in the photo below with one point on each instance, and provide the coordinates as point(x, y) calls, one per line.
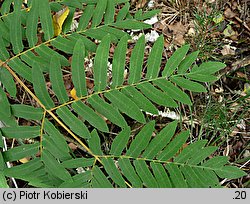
point(73, 94)
point(24, 160)
point(247, 88)
point(27, 9)
point(218, 19)
point(58, 20)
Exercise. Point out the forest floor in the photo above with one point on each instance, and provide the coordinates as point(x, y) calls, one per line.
point(221, 31)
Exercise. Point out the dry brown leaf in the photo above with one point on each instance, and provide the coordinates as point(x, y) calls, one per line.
point(72, 146)
point(228, 50)
point(139, 3)
point(241, 75)
point(229, 13)
point(179, 39)
point(191, 32)
point(178, 30)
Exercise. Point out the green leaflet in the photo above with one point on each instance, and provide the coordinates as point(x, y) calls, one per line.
point(187, 62)
point(189, 151)
point(114, 173)
point(160, 175)
point(156, 95)
point(4, 31)
point(17, 6)
point(21, 132)
point(173, 91)
point(136, 61)
point(50, 145)
point(21, 68)
point(209, 175)
point(8, 121)
point(3, 51)
point(110, 12)
point(86, 16)
point(41, 179)
point(5, 106)
point(30, 58)
point(160, 141)
point(73, 3)
point(3, 182)
point(56, 78)
point(208, 68)
point(123, 12)
point(88, 114)
point(56, 136)
point(131, 24)
point(140, 100)
point(75, 124)
point(63, 44)
point(32, 20)
point(192, 178)
point(114, 32)
point(8, 82)
point(99, 12)
point(94, 143)
point(54, 166)
point(99, 32)
point(203, 73)
point(107, 110)
point(126, 105)
point(172, 148)
point(145, 174)
point(121, 1)
point(120, 142)
point(40, 87)
point(27, 112)
point(119, 62)
point(174, 61)
point(100, 64)
point(89, 45)
point(21, 152)
point(202, 155)
point(46, 53)
point(202, 179)
point(141, 140)
point(23, 169)
point(230, 172)
point(129, 172)
point(187, 84)
point(216, 161)
point(78, 162)
point(5, 7)
point(46, 19)
point(77, 69)
point(155, 58)
point(141, 16)
point(201, 77)
point(70, 18)
point(99, 179)
point(1, 145)
point(176, 176)
point(79, 181)
point(16, 32)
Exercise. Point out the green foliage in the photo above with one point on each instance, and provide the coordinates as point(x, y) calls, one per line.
point(147, 158)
